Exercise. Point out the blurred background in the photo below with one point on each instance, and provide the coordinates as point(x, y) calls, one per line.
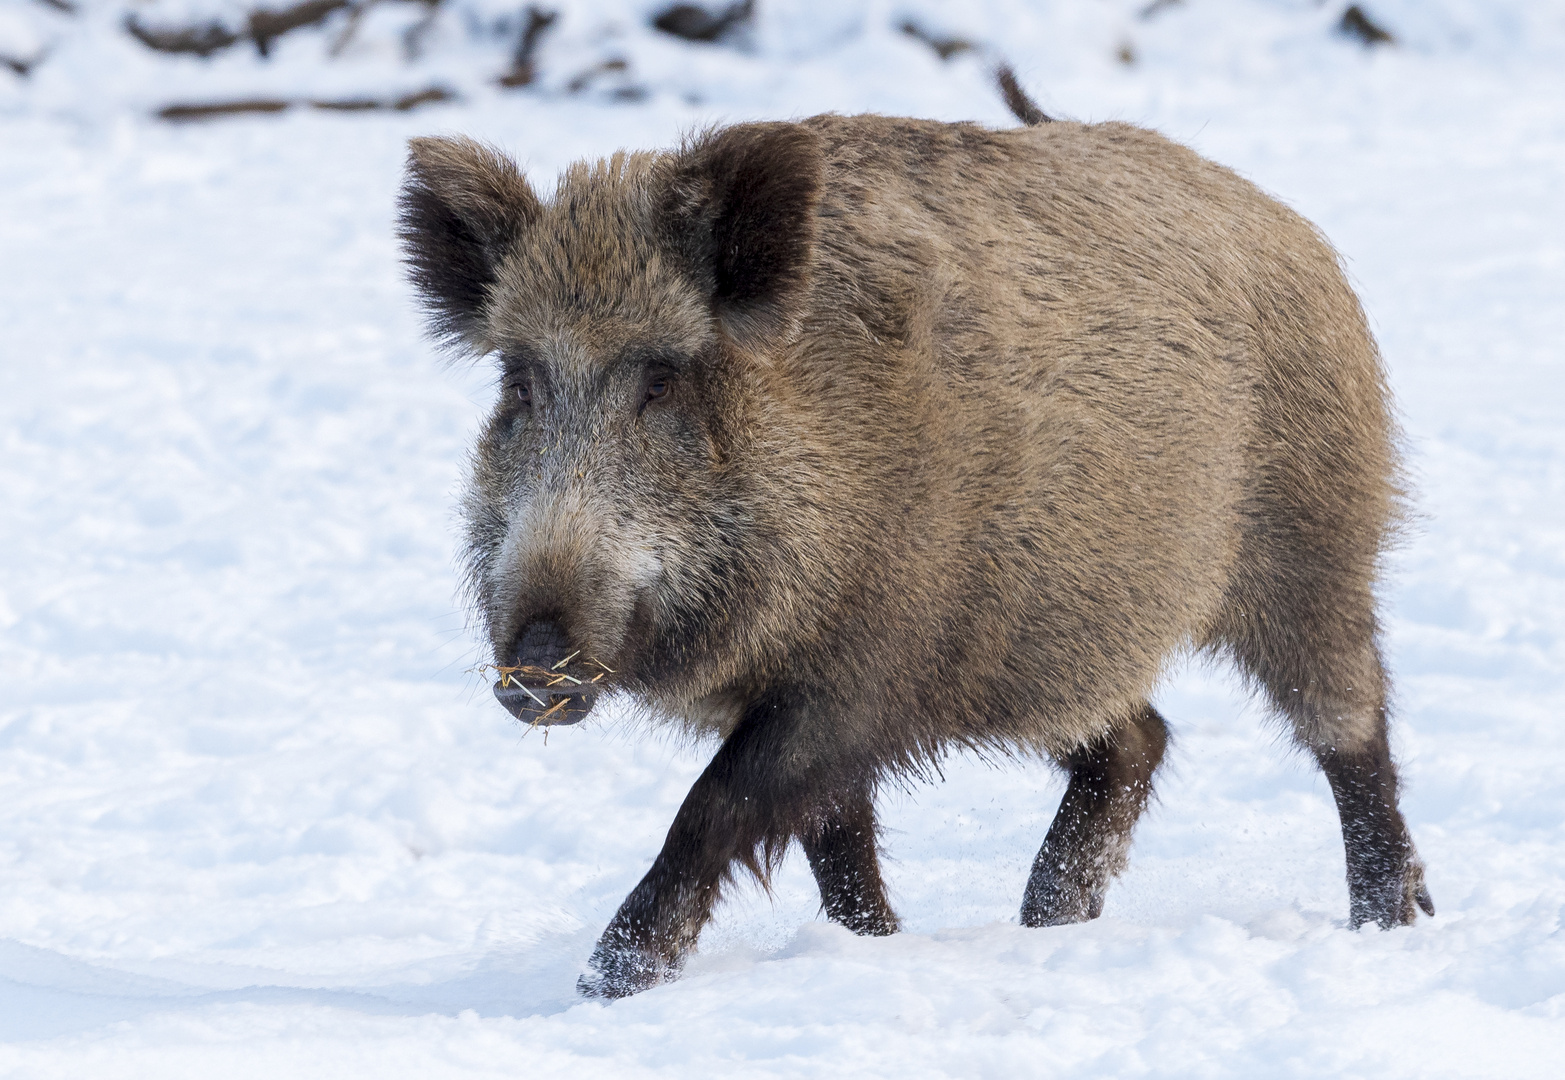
point(182, 59)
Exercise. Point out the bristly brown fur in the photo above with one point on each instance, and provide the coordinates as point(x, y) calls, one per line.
point(860, 439)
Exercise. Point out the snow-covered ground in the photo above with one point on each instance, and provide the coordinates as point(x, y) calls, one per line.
point(255, 819)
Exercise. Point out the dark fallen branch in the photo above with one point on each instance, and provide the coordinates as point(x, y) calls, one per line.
point(1357, 24)
point(524, 62)
point(431, 96)
point(22, 67)
point(349, 105)
point(266, 26)
point(61, 5)
point(263, 27)
point(1022, 107)
point(945, 47)
point(626, 92)
point(698, 24)
point(207, 111)
point(405, 103)
point(203, 39)
point(185, 112)
point(588, 77)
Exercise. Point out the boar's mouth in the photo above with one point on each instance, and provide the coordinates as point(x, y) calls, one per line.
point(562, 694)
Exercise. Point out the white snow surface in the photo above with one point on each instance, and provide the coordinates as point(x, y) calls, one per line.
point(259, 821)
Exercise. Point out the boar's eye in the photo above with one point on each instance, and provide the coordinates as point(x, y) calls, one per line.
point(657, 386)
point(523, 392)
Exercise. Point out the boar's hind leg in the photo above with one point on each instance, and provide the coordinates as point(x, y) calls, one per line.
point(762, 788)
point(841, 850)
point(1314, 653)
point(1385, 877)
point(1110, 782)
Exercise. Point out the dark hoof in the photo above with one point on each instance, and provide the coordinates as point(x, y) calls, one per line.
point(1391, 903)
point(619, 973)
point(1052, 902)
point(596, 986)
point(869, 923)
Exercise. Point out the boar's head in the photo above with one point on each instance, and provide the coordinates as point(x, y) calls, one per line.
point(613, 513)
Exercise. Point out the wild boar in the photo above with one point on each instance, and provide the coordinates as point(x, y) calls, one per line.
point(858, 440)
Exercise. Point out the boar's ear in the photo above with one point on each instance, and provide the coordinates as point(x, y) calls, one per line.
point(462, 206)
point(742, 216)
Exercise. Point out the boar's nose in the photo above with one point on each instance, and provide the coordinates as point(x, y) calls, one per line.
point(546, 681)
point(543, 644)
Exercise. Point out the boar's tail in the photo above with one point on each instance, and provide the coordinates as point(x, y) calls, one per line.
point(1016, 99)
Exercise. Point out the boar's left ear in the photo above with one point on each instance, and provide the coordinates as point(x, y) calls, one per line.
point(462, 206)
point(741, 213)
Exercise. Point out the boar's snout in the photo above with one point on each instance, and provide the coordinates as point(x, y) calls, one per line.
point(545, 682)
point(543, 644)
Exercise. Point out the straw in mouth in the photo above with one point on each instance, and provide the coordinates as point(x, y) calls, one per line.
point(550, 696)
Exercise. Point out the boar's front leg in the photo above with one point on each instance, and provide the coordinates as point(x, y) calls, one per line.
point(768, 783)
point(1110, 782)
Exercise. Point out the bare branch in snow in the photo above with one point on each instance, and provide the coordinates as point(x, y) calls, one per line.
point(266, 25)
point(586, 78)
point(22, 67)
point(263, 26)
point(1157, 7)
point(945, 47)
point(524, 67)
point(626, 91)
point(405, 103)
point(698, 24)
point(186, 112)
point(434, 95)
point(1022, 107)
point(1357, 24)
point(202, 39)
